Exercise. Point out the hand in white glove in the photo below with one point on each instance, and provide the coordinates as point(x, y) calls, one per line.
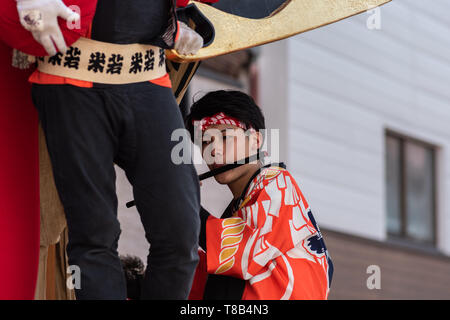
point(189, 41)
point(40, 17)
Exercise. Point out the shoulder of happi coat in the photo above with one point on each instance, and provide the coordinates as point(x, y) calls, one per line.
point(274, 176)
point(270, 174)
point(279, 183)
point(260, 182)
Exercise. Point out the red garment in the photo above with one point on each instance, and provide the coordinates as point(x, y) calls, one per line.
point(272, 242)
point(14, 35)
point(200, 278)
point(19, 183)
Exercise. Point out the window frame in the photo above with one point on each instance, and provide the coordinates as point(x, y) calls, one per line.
point(403, 236)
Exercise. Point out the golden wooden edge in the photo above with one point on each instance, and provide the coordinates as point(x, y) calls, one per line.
point(234, 33)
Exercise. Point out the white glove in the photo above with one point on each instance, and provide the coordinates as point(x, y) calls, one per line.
point(189, 41)
point(40, 17)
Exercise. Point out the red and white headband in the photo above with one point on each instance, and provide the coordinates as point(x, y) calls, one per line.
point(218, 118)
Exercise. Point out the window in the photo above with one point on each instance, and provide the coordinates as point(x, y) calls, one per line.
point(410, 189)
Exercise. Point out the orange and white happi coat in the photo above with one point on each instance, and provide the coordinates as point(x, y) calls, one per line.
point(272, 242)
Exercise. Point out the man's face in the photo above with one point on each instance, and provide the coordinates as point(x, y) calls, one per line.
point(225, 144)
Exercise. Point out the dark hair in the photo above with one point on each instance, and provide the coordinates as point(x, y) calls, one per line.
point(233, 103)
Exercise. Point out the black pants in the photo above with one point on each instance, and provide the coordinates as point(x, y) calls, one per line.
point(87, 130)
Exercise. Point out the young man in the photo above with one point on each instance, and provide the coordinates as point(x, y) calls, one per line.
point(266, 245)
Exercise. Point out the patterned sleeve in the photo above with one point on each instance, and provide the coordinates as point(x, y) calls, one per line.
point(247, 244)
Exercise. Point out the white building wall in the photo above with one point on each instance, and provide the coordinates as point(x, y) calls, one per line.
point(340, 87)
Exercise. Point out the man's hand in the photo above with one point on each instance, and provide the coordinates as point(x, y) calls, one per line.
point(40, 17)
point(189, 41)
